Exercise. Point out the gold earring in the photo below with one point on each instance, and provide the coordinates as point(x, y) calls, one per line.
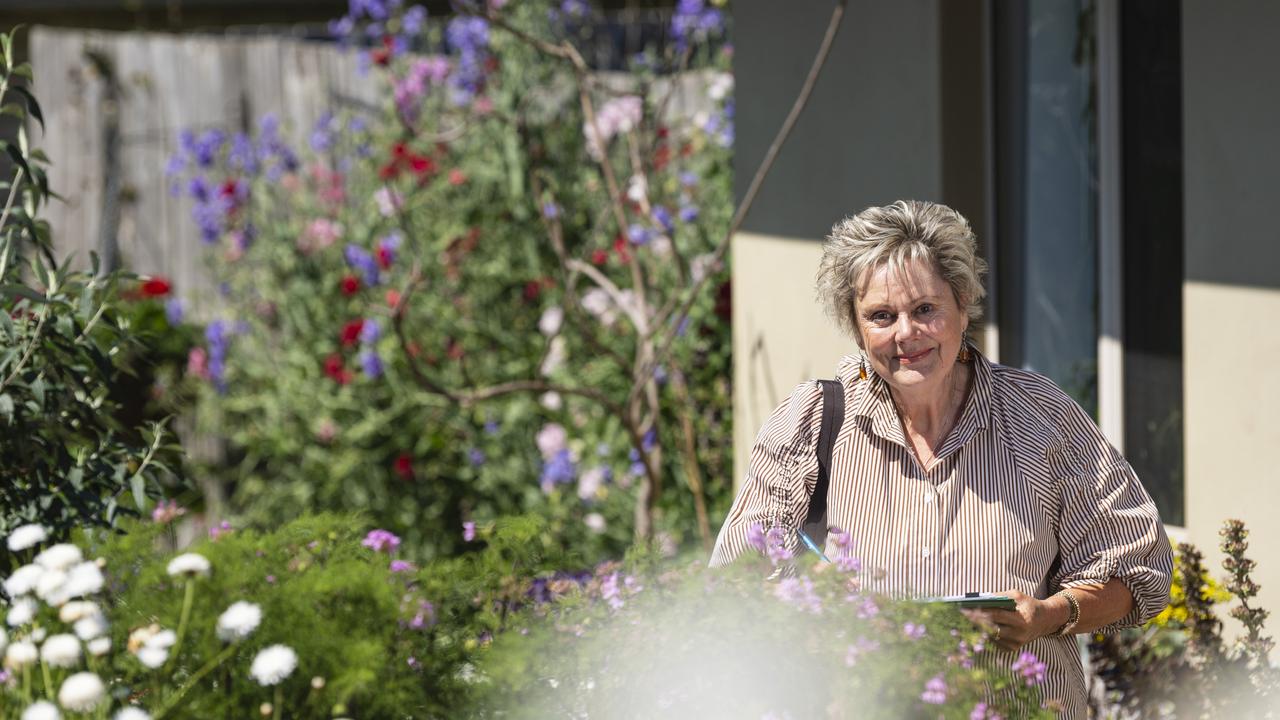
point(862, 371)
point(965, 356)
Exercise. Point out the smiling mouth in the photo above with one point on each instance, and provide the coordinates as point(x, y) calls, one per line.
point(914, 358)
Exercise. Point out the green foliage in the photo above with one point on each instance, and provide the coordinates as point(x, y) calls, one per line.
point(372, 639)
point(67, 461)
point(655, 640)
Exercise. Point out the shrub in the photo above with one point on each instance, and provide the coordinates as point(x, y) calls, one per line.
point(67, 460)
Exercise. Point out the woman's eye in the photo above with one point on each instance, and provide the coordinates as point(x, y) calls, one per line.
point(924, 309)
point(880, 317)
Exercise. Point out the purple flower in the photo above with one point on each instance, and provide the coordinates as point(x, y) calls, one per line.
point(469, 36)
point(399, 566)
point(798, 591)
point(370, 331)
point(242, 154)
point(689, 179)
point(468, 531)
point(935, 691)
point(688, 213)
point(776, 545)
point(755, 536)
point(174, 311)
point(205, 150)
point(663, 217)
point(371, 364)
point(639, 234)
point(1030, 667)
point(694, 21)
point(218, 335)
point(610, 591)
point(491, 427)
point(913, 631)
point(476, 457)
point(858, 649)
point(868, 609)
point(413, 19)
point(381, 541)
point(360, 259)
point(558, 470)
point(550, 210)
point(324, 132)
point(982, 712)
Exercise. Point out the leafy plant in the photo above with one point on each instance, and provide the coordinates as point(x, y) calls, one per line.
point(67, 460)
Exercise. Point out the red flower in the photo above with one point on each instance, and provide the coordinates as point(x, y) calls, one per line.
point(532, 289)
point(350, 285)
point(335, 371)
point(422, 165)
point(385, 256)
point(389, 171)
point(382, 55)
point(351, 332)
point(620, 247)
point(393, 298)
point(156, 287)
point(457, 177)
point(400, 151)
point(404, 466)
point(599, 257)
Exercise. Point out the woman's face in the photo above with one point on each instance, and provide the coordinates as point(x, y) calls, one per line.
point(911, 326)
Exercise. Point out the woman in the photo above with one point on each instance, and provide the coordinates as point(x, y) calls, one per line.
point(952, 473)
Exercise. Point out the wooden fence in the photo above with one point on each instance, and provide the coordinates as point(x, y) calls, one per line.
point(164, 83)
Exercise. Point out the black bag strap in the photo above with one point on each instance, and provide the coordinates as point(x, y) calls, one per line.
point(832, 419)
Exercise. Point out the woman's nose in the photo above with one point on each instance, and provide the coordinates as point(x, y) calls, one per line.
point(904, 327)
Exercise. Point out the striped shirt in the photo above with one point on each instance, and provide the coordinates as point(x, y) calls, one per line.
point(1026, 494)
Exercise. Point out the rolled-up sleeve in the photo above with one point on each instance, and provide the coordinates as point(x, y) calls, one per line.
point(1110, 527)
point(775, 491)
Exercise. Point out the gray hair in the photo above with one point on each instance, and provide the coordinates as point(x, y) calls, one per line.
point(894, 235)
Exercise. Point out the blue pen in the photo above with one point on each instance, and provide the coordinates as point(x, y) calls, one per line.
point(811, 545)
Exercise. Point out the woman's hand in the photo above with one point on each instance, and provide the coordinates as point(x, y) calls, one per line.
point(1031, 619)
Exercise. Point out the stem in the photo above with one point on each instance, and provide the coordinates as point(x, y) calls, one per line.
point(188, 596)
point(692, 473)
point(276, 709)
point(48, 681)
point(191, 681)
point(31, 347)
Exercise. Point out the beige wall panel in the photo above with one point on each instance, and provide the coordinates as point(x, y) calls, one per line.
point(1232, 429)
point(780, 334)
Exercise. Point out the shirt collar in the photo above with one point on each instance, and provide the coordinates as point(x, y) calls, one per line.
point(870, 399)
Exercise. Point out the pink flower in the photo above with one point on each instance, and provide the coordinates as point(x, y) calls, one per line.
point(755, 536)
point(935, 691)
point(166, 511)
point(399, 566)
point(381, 541)
point(198, 363)
point(913, 631)
point(468, 531)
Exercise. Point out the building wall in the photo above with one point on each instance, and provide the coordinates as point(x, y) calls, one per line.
point(1231, 297)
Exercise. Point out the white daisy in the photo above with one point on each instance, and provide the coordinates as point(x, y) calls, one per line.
point(59, 557)
point(20, 654)
point(50, 583)
point(151, 645)
point(73, 611)
point(238, 621)
point(61, 651)
point(22, 612)
point(83, 579)
point(4, 639)
point(189, 564)
point(23, 580)
point(132, 713)
point(81, 692)
point(43, 710)
point(25, 536)
point(88, 628)
point(99, 646)
point(273, 664)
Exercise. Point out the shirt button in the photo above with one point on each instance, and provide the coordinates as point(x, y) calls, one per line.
point(925, 552)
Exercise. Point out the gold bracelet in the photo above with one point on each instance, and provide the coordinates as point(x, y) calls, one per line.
point(1072, 618)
